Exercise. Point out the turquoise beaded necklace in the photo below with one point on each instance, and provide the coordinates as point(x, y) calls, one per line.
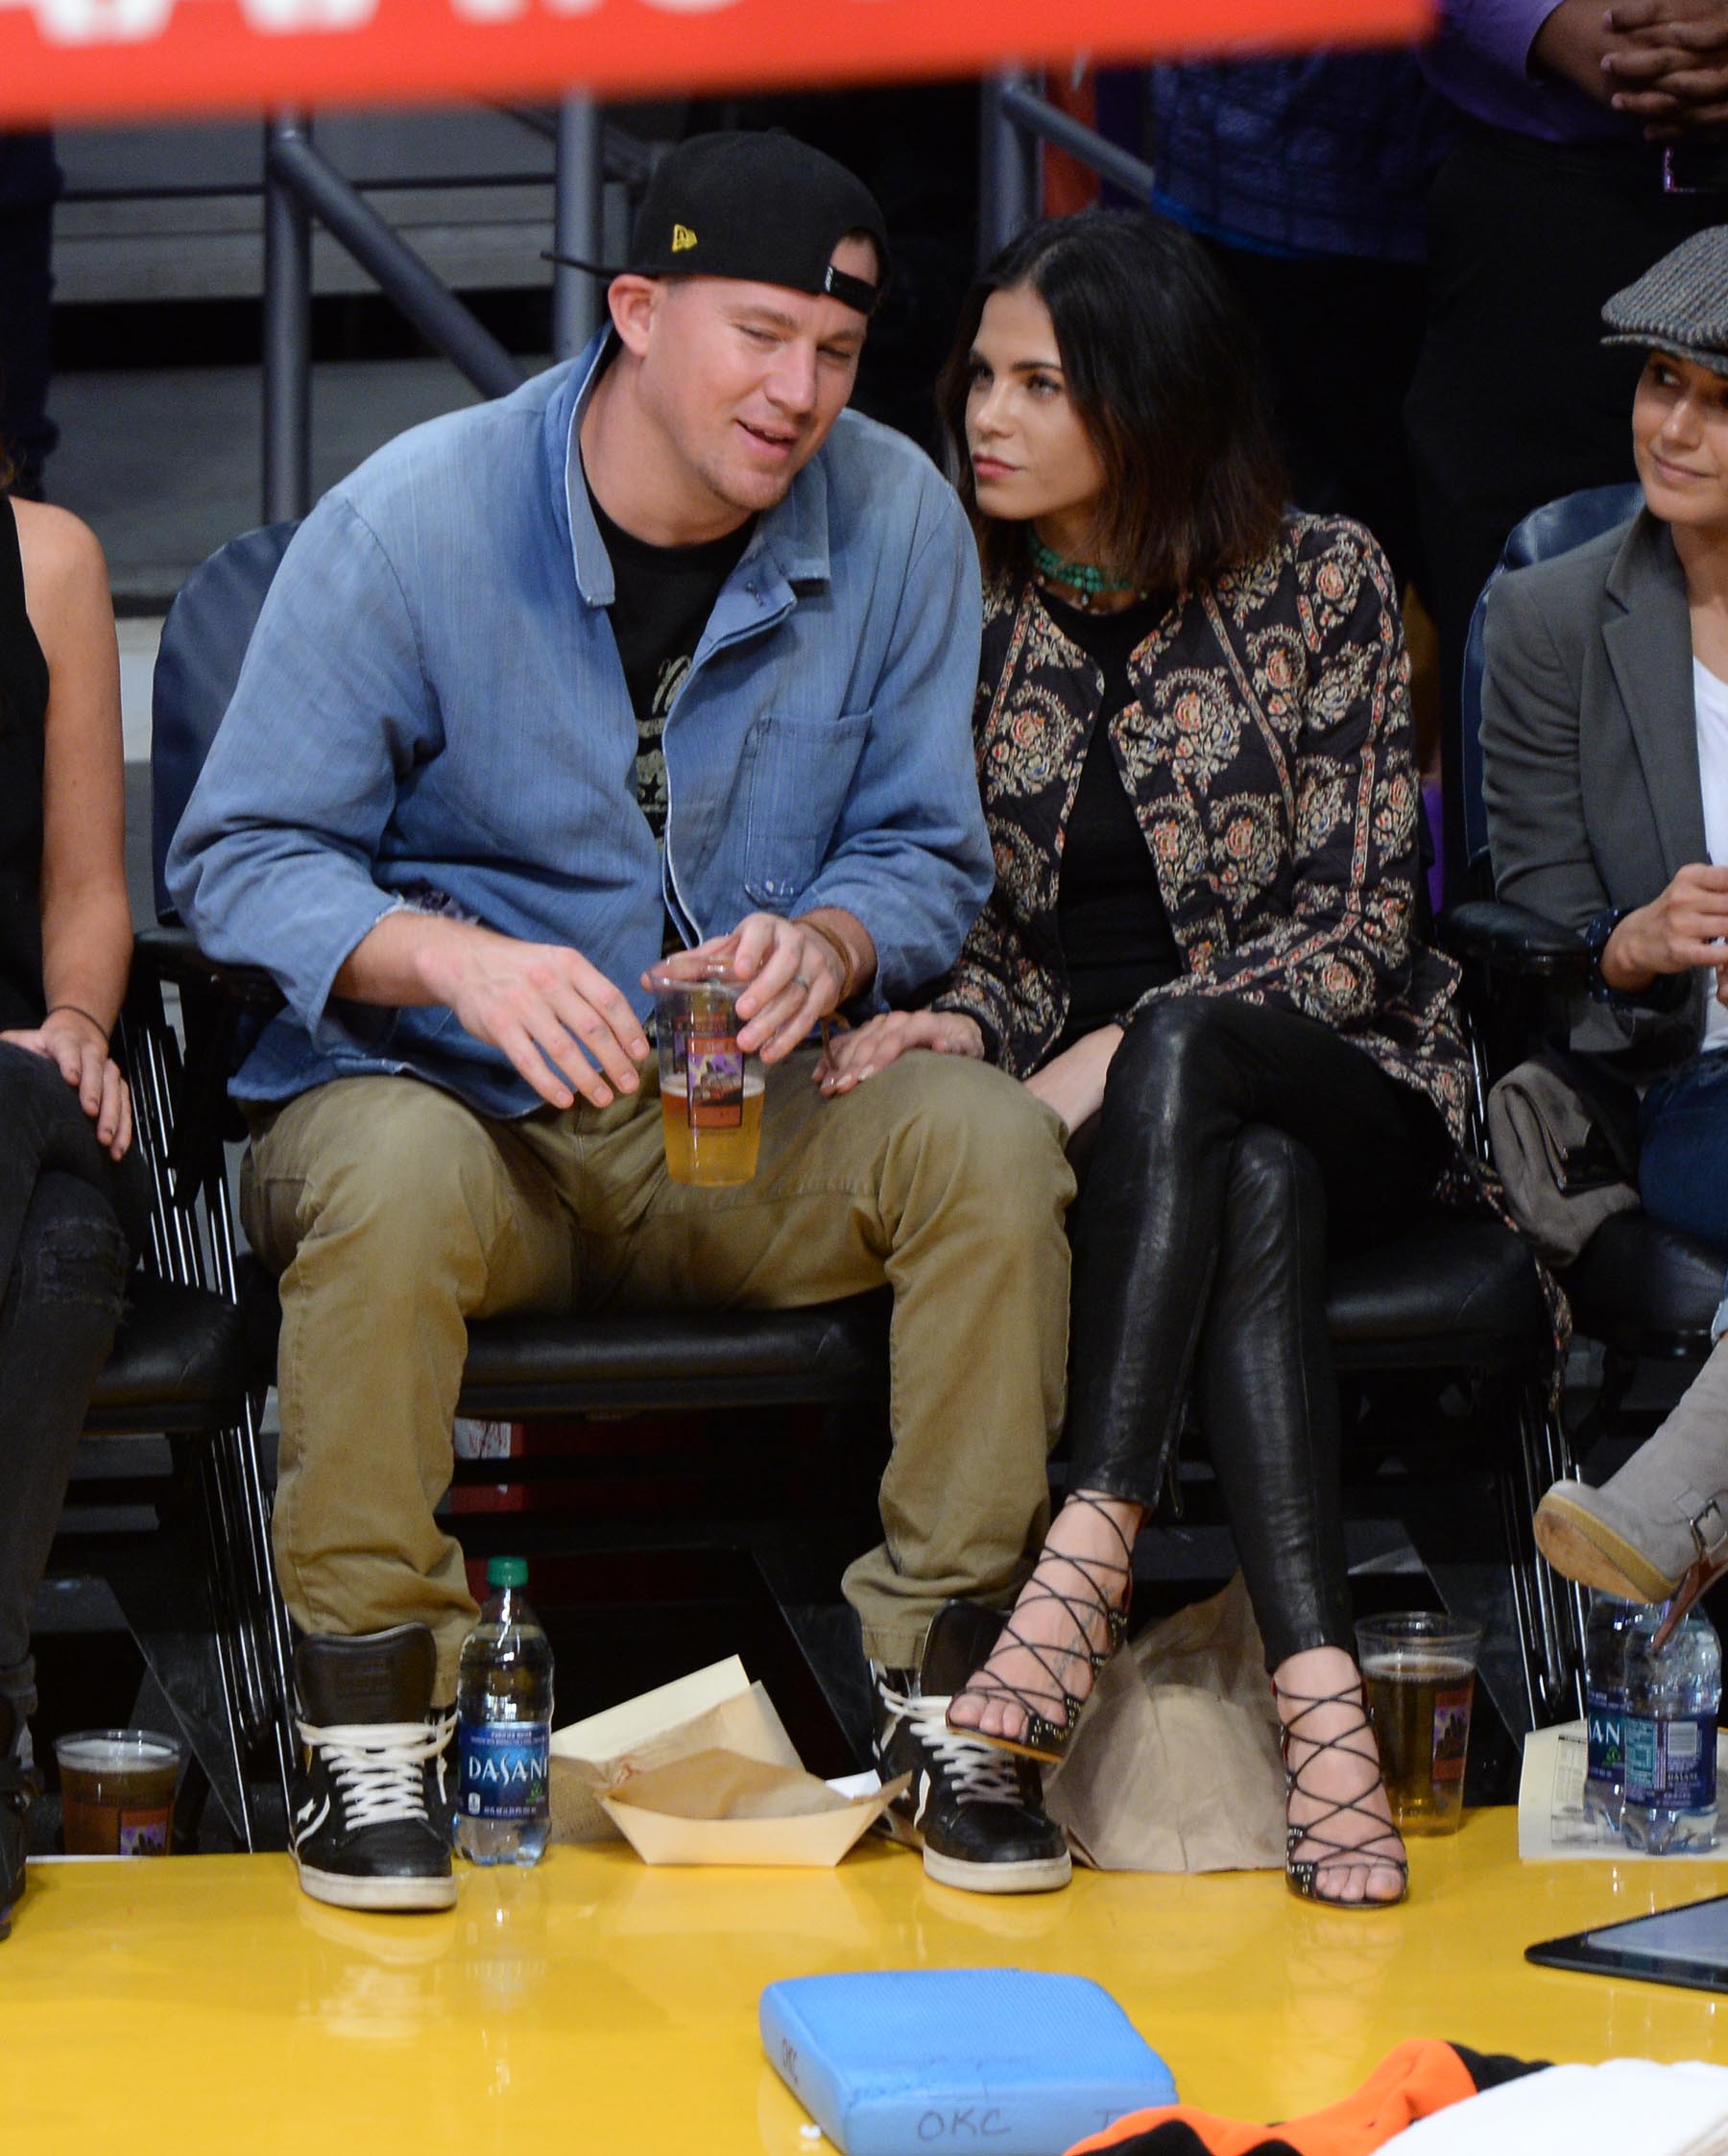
point(1084, 577)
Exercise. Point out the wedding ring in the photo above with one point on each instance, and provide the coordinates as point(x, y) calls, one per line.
point(799, 981)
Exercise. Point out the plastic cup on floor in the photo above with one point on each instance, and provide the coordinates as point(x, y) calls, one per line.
point(1419, 1677)
point(117, 1791)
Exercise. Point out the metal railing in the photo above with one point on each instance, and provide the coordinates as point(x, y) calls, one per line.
point(593, 164)
point(1015, 125)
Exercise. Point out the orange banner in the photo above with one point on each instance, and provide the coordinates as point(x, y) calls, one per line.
point(83, 59)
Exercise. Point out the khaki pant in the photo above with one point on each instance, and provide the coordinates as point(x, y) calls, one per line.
point(393, 1215)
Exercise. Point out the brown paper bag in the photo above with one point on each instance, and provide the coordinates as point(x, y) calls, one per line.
point(1176, 1766)
point(720, 1784)
point(719, 1807)
point(588, 1756)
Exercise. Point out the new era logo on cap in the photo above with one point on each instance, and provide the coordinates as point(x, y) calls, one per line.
point(727, 180)
point(769, 209)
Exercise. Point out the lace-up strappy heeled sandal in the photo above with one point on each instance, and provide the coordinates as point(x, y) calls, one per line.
point(1302, 1873)
point(1107, 1583)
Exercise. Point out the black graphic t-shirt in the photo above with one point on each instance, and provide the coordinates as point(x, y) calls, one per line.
point(664, 595)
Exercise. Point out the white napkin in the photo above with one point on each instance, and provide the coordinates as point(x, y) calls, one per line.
point(1625, 2107)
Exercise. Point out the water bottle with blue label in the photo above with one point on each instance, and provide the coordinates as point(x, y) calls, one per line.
point(504, 1726)
point(1611, 1624)
point(1669, 1735)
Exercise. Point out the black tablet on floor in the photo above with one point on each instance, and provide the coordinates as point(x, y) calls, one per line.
point(1686, 1946)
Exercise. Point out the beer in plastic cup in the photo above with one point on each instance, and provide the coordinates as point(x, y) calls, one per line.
point(117, 1791)
point(710, 1091)
point(1419, 1677)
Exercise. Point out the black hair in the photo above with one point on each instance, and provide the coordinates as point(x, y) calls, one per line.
point(1158, 361)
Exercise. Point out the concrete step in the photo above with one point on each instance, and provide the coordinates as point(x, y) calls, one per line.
point(166, 464)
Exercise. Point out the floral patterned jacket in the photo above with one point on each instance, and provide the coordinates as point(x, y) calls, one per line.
point(1269, 756)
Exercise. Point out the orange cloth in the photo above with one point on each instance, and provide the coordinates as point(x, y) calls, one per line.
point(1418, 2078)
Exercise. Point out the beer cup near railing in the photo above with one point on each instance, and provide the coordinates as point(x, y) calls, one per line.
point(1418, 1678)
point(710, 1091)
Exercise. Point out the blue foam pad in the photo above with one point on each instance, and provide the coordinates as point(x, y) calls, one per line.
point(1013, 2060)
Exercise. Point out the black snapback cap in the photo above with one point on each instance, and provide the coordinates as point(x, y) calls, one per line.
point(762, 206)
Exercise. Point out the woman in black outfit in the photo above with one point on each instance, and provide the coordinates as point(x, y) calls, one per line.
point(65, 1118)
point(1195, 750)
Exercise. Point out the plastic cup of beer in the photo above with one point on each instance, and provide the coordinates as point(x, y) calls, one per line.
point(1419, 1675)
point(117, 1791)
point(710, 1091)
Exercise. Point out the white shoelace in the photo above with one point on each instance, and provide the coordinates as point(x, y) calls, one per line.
point(378, 1766)
point(979, 1773)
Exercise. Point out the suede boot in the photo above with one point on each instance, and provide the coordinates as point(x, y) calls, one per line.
point(1659, 1526)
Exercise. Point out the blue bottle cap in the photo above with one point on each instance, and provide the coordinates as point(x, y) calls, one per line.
point(506, 1571)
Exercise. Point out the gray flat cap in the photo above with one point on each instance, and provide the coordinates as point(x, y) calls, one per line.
point(1681, 305)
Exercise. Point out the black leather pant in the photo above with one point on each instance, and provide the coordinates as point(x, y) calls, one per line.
point(1236, 1146)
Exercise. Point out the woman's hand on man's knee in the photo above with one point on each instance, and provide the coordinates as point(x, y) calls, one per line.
point(850, 1058)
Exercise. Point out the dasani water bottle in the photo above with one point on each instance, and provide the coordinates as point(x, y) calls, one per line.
point(504, 1726)
point(1669, 1734)
point(1611, 1624)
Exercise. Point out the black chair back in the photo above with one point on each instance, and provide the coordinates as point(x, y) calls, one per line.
point(1555, 528)
point(204, 642)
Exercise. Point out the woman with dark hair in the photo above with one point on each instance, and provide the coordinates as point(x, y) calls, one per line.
point(65, 1118)
point(1194, 744)
point(1605, 778)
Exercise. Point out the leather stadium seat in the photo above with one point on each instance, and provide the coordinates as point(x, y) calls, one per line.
point(1641, 1289)
point(179, 1363)
point(1451, 1293)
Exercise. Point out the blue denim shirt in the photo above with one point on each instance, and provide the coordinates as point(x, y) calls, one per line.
point(432, 712)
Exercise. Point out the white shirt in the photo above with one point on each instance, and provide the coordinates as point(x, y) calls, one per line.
point(1710, 700)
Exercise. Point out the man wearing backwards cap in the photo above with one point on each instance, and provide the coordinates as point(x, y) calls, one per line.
point(664, 649)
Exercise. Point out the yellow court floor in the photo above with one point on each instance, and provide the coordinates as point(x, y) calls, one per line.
point(203, 2003)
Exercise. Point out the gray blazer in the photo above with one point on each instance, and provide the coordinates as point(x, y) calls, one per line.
point(1589, 756)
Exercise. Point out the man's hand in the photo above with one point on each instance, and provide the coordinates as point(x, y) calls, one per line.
point(1072, 1083)
point(1685, 926)
point(851, 1058)
point(1668, 64)
point(71, 1041)
point(542, 1004)
point(795, 974)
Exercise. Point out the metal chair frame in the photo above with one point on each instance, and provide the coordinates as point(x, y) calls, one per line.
point(192, 1245)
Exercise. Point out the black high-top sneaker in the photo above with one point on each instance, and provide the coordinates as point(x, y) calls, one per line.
point(975, 1810)
point(370, 1820)
point(16, 1790)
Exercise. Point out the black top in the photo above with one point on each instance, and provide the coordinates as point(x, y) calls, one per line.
point(662, 598)
point(23, 709)
point(1110, 913)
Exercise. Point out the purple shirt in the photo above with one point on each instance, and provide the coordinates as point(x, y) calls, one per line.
point(1480, 59)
